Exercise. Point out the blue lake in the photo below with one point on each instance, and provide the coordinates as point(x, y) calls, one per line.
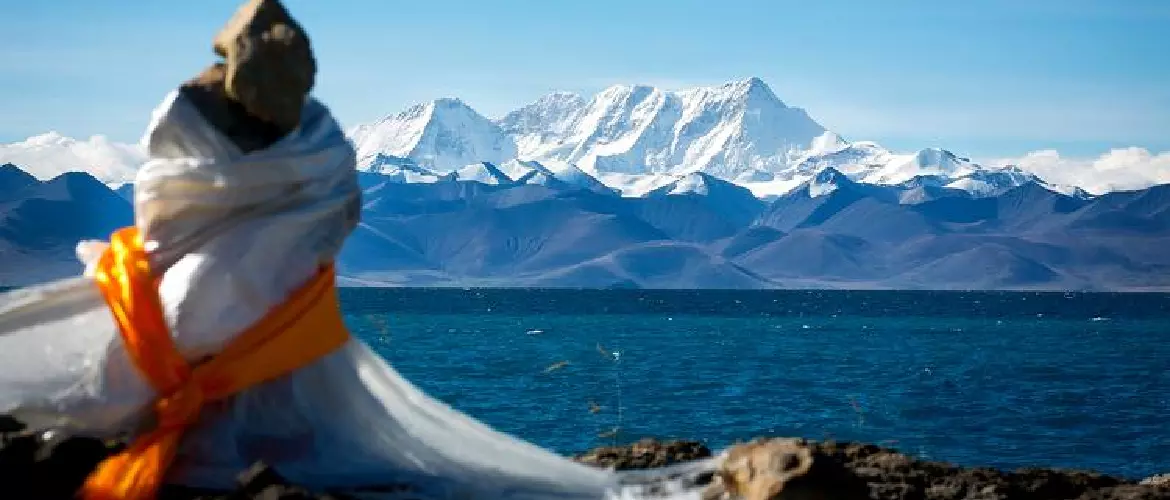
point(1000, 379)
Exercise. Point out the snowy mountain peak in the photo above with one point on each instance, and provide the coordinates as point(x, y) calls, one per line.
point(561, 98)
point(935, 155)
point(830, 175)
point(739, 131)
point(826, 181)
point(443, 135)
point(755, 91)
point(929, 161)
point(623, 92)
point(730, 130)
point(550, 109)
point(691, 183)
point(751, 90)
point(484, 173)
point(980, 181)
point(556, 175)
point(632, 138)
point(402, 170)
point(450, 103)
point(550, 116)
point(754, 83)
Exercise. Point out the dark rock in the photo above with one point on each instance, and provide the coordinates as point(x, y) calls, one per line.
point(269, 62)
point(793, 468)
point(207, 92)
point(33, 466)
point(45, 468)
point(9, 425)
point(786, 468)
point(258, 482)
point(645, 454)
point(256, 96)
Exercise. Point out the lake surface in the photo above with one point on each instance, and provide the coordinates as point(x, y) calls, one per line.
point(1000, 379)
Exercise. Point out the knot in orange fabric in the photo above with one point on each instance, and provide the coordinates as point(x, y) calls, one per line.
point(306, 327)
point(180, 408)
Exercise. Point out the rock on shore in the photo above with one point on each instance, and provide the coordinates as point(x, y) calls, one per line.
point(33, 468)
point(800, 469)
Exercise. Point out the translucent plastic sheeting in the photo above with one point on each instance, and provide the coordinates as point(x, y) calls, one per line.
point(233, 235)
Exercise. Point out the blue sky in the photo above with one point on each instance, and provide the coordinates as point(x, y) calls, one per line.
point(983, 78)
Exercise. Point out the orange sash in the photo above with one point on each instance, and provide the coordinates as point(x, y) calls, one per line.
point(306, 327)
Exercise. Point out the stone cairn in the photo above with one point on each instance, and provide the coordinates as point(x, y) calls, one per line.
point(255, 95)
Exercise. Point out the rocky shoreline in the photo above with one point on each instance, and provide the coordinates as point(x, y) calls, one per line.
point(800, 469)
point(46, 469)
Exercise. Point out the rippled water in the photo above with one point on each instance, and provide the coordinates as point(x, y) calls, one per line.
point(1000, 379)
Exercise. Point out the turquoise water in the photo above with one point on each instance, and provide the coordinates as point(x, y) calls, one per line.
point(1001, 379)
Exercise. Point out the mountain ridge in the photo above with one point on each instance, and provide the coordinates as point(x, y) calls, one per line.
point(699, 232)
point(636, 186)
point(632, 138)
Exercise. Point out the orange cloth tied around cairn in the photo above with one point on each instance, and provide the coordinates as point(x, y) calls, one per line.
point(306, 327)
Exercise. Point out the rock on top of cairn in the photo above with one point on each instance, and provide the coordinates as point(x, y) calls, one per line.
point(269, 65)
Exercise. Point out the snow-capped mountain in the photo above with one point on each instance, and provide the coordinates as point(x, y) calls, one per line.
point(830, 180)
point(555, 174)
point(870, 163)
point(629, 139)
point(925, 170)
point(543, 121)
point(402, 170)
point(931, 161)
point(442, 135)
point(484, 173)
point(722, 186)
point(733, 202)
point(982, 182)
point(697, 183)
point(730, 130)
point(636, 139)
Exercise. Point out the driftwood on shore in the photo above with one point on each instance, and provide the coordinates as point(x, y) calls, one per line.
point(33, 467)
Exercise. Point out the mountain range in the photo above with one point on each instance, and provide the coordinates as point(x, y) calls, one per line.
point(715, 187)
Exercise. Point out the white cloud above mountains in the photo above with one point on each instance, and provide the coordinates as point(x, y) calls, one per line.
point(50, 154)
point(1116, 170)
